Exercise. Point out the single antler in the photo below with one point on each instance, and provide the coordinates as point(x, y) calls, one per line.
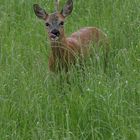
point(56, 3)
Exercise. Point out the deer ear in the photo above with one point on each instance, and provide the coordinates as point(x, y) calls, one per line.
point(67, 9)
point(39, 12)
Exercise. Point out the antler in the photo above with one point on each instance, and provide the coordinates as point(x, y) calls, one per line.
point(56, 3)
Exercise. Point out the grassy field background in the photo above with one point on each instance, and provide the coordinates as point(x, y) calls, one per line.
point(37, 105)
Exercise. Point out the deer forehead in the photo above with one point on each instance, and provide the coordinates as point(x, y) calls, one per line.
point(55, 17)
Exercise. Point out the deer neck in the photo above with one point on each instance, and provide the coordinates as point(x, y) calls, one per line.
point(58, 47)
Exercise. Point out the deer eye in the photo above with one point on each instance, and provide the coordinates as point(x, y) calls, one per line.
point(47, 24)
point(62, 23)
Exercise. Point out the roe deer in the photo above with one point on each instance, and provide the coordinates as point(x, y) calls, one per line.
point(64, 50)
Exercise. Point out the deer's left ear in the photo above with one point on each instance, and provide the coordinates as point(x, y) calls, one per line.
point(67, 9)
point(39, 12)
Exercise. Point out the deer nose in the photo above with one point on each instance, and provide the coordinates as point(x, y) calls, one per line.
point(55, 32)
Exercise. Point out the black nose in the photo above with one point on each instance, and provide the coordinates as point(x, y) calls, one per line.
point(55, 32)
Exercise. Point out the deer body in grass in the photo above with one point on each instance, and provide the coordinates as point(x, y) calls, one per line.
point(64, 50)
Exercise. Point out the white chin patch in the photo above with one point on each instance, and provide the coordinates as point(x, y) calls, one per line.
point(55, 39)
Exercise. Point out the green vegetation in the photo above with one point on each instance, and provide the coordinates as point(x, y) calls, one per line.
point(37, 105)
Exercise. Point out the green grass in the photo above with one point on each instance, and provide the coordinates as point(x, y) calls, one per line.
point(37, 105)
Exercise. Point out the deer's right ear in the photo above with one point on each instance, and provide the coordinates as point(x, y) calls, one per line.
point(67, 9)
point(39, 12)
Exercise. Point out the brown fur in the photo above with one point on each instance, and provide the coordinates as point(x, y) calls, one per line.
point(68, 49)
point(65, 50)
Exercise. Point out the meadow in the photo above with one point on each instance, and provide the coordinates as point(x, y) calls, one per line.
point(38, 105)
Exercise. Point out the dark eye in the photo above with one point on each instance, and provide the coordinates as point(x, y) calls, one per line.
point(61, 23)
point(47, 24)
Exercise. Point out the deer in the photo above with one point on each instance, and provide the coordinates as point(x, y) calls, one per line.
point(65, 50)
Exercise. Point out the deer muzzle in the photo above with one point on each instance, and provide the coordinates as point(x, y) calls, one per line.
point(54, 35)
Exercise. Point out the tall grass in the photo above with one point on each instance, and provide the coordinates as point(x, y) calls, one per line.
point(38, 105)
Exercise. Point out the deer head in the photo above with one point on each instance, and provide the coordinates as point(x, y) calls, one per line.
point(54, 22)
